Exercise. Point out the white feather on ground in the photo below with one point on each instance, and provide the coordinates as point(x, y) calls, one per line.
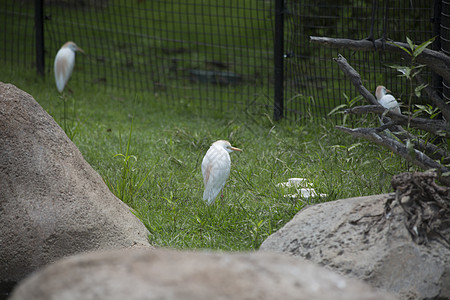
point(303, 187)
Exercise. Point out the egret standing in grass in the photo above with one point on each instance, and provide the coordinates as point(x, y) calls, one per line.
point(64, 63)
point(216, 167)
point(386, 100)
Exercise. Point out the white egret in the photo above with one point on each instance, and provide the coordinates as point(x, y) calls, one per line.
point(64, 63)
point(386, 100)
point(216, 167)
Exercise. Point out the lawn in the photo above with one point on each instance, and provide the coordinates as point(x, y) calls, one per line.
point(149, 153)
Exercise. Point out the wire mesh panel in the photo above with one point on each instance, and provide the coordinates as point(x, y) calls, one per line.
point(17, 36)
point(219, 54)
point(310, 68)
point(445, 41)
point(216, 54)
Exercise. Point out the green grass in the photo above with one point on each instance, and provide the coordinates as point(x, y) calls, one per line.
point(150, 153)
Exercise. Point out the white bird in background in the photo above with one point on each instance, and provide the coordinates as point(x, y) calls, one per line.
point(216, 167)
point(386, 100)
point(64, 63)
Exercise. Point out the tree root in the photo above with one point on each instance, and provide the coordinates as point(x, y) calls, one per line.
point(426, 205)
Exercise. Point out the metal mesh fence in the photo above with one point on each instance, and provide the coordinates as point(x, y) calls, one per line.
point(311, 70)
point(17, 33)
point(217, 54)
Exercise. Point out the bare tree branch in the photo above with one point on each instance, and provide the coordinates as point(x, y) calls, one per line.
point(430, 149)
point(435, 127)
point(435, 60)
point(419, 158)
point(355, 78)
point(438, 127)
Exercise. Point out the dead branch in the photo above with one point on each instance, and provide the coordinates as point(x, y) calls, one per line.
point(439, 127)
point(428, 148)
point(377, 136)
point(435, 60)
point(355, 78)
point(426, 206)
point(403, 135)
point(419, 158)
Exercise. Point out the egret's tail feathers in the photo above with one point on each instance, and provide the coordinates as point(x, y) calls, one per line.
point(209, 197)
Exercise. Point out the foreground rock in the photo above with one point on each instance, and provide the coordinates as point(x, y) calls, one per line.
point(352, 237)
point(52, 203)
point(169, 274)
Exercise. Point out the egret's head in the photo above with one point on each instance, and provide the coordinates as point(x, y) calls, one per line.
point(381, 91)
point(226, 145)
point(72, 46)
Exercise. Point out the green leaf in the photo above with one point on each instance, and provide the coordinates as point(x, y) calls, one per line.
point(336, 109)
point(401, 47)
point(411, 44)
point(355, 100)
point(434, 115)
point(418, 89)
point(338, 146)
point(410, 148)
point(396, 66)
point(423, 107)
point(347, 98)
point(419, 49)
point(354, 146)
point(404, 70)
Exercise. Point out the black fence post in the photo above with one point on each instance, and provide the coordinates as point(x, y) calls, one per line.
point(278, 60)
point(436, 45)
point(445, 42)
point(39, 27)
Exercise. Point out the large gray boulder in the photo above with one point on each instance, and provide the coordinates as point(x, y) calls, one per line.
point(169, 274)
point(351, 236)
point(52, 203)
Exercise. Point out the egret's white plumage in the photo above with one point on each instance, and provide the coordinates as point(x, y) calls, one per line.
point(216, 167)
point(64, 63)
point(386, 100)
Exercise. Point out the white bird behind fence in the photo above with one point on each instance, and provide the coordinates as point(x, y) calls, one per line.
point(216, 167)
point(386, 100)
point(64, 63)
